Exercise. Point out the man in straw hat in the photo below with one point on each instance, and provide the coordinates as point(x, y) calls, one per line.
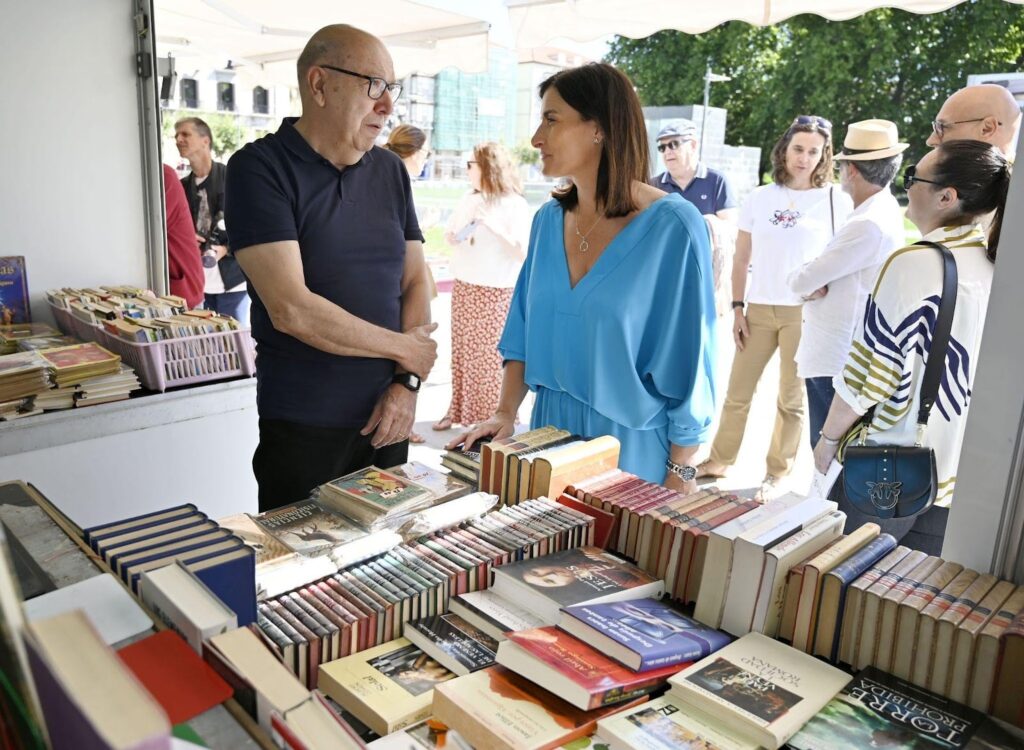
point(836, 284)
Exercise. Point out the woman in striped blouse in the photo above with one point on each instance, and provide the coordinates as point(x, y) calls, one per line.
point(951, 191)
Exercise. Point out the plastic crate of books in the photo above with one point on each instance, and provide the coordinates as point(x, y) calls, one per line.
point(187, 361)
point(72, 326)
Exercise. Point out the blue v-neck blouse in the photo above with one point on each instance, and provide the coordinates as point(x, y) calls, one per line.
point(630, 350)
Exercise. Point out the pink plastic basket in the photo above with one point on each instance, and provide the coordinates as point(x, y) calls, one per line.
point(187, 361)
point(72, 326)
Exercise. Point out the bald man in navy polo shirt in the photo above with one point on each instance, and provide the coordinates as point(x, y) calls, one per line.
point(323, 224)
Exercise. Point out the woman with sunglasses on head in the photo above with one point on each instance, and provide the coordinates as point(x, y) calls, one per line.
point(611, 323)
point(489, 231)
point(783, 225)
point(410, 143)
point(950, 190)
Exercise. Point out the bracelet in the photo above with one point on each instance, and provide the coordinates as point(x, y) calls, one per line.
point(826, 439)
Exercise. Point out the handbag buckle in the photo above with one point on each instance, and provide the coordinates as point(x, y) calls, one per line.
point(919, 441)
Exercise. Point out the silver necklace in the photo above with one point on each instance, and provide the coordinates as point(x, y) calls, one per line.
point(584, 244)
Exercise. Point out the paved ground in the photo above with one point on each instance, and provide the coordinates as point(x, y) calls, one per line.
point(745, 476)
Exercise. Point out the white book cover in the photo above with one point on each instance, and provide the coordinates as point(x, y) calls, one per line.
point(749, 556)
point(667, 723)
point(821, 484)
point(185, 604)
point(714, 581)
point(762, 689)
point(108, 605)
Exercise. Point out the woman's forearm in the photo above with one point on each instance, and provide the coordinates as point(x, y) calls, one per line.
point(513, 388)
point(841, 417)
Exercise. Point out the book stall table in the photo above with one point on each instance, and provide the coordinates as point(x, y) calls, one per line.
point(55, 543)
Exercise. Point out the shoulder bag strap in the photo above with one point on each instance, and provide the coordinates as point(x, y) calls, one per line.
point(832, 208)
point(940, 335)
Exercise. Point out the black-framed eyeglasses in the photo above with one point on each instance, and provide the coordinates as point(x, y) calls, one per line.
point(910, 177)
point(672, 145)
point(819, 122)
point(470, 164)
point(940, 127)
point(375, 87)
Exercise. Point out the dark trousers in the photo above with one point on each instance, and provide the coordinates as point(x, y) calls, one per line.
point(235, 304)
point(292, 459)
point(819, 399)
point(925, 531)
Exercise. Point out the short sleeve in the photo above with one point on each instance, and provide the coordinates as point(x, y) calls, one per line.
point(257, 210)
point(746, 220)
point(725, 198)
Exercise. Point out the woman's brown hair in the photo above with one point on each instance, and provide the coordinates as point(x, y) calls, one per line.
point(498, 175)
point(822, 174)
point(405, 140)
point(603, 94)
point(980, 174)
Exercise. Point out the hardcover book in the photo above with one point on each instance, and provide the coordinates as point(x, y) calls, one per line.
point(886, 635)
point(986, 651)
point(867, 637)
point(1007, 698)
point(909, 613)
point(667, 723)
point(307, 528)
point(642, 634)
point(388, 687)
point(453, 643)
point(371, 494)
point(928, 620)
point(576, 576)
point(14, 298)
point(946, 627)
point(966, 635)
point(570, 668)
point(762, 689)
point(879, 710)
point(497, 709)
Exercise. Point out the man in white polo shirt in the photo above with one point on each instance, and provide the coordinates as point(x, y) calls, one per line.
point(836, 284)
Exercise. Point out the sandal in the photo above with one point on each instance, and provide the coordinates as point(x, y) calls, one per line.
point(704, 473)
point(444, 423)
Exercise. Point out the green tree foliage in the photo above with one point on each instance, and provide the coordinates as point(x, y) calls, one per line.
point(887, 63)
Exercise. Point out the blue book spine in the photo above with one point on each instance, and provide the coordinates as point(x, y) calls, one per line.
point(851, 569)
point(169, 554)
point(657, 633)
point(234, 583)
point(94, 533)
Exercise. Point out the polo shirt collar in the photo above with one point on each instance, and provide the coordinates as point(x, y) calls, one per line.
point(294, 142)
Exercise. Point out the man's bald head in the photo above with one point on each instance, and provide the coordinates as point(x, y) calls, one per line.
point(339, 44)
point(986, 112)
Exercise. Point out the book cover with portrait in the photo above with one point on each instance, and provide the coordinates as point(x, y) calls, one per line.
point(14, 300)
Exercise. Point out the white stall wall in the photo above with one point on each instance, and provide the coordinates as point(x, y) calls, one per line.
point(71, 199)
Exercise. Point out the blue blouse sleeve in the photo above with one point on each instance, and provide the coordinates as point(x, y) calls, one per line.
point(512, 345)
point(679, 348)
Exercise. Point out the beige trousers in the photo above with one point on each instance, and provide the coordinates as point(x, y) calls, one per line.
point(771, 327)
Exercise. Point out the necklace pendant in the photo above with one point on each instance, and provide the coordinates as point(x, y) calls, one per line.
point(584, 246)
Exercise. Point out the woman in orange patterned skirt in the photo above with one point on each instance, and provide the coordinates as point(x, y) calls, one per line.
point(489, 230)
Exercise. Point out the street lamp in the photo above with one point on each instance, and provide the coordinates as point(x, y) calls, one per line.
point(709, 78)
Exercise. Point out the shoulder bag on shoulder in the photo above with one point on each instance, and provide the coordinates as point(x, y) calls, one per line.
point(896, 481)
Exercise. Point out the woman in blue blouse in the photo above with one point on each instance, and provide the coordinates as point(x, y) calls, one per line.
point(611, 322)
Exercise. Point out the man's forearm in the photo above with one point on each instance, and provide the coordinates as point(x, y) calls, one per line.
point(318, 322)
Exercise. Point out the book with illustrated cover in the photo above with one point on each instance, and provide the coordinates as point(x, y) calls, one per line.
point(642, 634)
point(453, 642)
point(444, 486)
point(666, 723)
point(388, 687)
point(497, 709)
point(371, 494)
point(878, 710)
point(14, 298)
point(267, 547)
point(573, 670)
point(575, 576)
point(309, 529)
point(763, 690)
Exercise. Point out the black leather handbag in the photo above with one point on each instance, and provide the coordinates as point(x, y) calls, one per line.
point(896, 481)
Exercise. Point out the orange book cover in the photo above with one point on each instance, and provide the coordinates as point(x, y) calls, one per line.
point(182, 683)
point(76, 355)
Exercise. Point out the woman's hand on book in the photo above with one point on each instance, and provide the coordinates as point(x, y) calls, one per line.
point(497, 427)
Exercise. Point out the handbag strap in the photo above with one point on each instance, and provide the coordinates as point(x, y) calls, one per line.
point(832, 208)
point(940, 335)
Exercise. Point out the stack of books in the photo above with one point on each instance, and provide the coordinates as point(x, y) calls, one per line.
point(22, 376)
point(11, 336)
point(367, 605)
point(374, 497)
point(542, 462)
point(70, 365)
point(464, 464)
point(188, 324)
point(180, 534)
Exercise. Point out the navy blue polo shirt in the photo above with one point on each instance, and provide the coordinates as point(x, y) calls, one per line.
point(351, 226)
point(709, 191)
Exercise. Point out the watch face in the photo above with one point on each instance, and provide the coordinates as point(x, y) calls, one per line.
point(414, 380)
point(688, 473)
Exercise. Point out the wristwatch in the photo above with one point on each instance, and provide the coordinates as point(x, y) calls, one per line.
point(738, 303)
point(408, 379)
point(686, 473)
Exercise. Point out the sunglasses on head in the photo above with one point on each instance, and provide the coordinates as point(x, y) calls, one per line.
point(819, 122)
point(672, 145)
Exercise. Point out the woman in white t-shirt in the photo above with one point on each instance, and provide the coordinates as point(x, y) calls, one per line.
point(782, 226)
point(489, 230)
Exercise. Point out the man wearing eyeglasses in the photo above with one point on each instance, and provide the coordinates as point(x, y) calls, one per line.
point(324, 227)
point(985, 112)
point(705, 188)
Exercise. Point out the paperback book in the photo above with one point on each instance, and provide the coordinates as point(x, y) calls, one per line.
point(453, 643)
point(309, 529)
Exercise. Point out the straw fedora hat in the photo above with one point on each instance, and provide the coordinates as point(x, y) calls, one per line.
point(871, 139)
